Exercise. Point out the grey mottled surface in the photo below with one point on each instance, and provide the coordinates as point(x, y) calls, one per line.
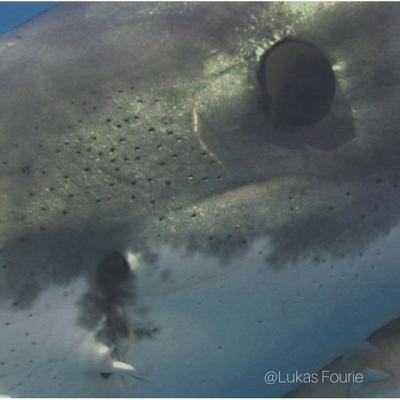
point(141, 128)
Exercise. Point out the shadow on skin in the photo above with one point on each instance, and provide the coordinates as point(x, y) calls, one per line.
point(112, 289)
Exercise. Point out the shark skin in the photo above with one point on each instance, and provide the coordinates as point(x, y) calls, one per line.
point(160, 233)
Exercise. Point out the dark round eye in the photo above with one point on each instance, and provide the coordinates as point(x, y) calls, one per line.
point(298, 81)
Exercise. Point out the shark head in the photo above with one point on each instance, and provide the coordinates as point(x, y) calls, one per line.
point(159, 210)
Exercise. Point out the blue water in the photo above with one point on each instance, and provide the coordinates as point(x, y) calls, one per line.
point(13, 14)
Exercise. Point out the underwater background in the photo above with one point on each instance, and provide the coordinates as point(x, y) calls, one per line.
point(13, 14)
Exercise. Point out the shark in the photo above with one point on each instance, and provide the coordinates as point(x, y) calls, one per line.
point(171, 224)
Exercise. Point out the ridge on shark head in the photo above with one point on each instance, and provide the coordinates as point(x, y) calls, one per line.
point(171, 225)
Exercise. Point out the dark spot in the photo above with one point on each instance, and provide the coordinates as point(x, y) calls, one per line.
point(165, 275)
point(26, 169)
point(105, 375)
point(148, 332)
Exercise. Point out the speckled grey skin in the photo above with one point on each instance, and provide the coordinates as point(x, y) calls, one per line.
point(141, 129)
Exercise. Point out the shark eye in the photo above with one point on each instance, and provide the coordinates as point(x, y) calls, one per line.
point(298, 82)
